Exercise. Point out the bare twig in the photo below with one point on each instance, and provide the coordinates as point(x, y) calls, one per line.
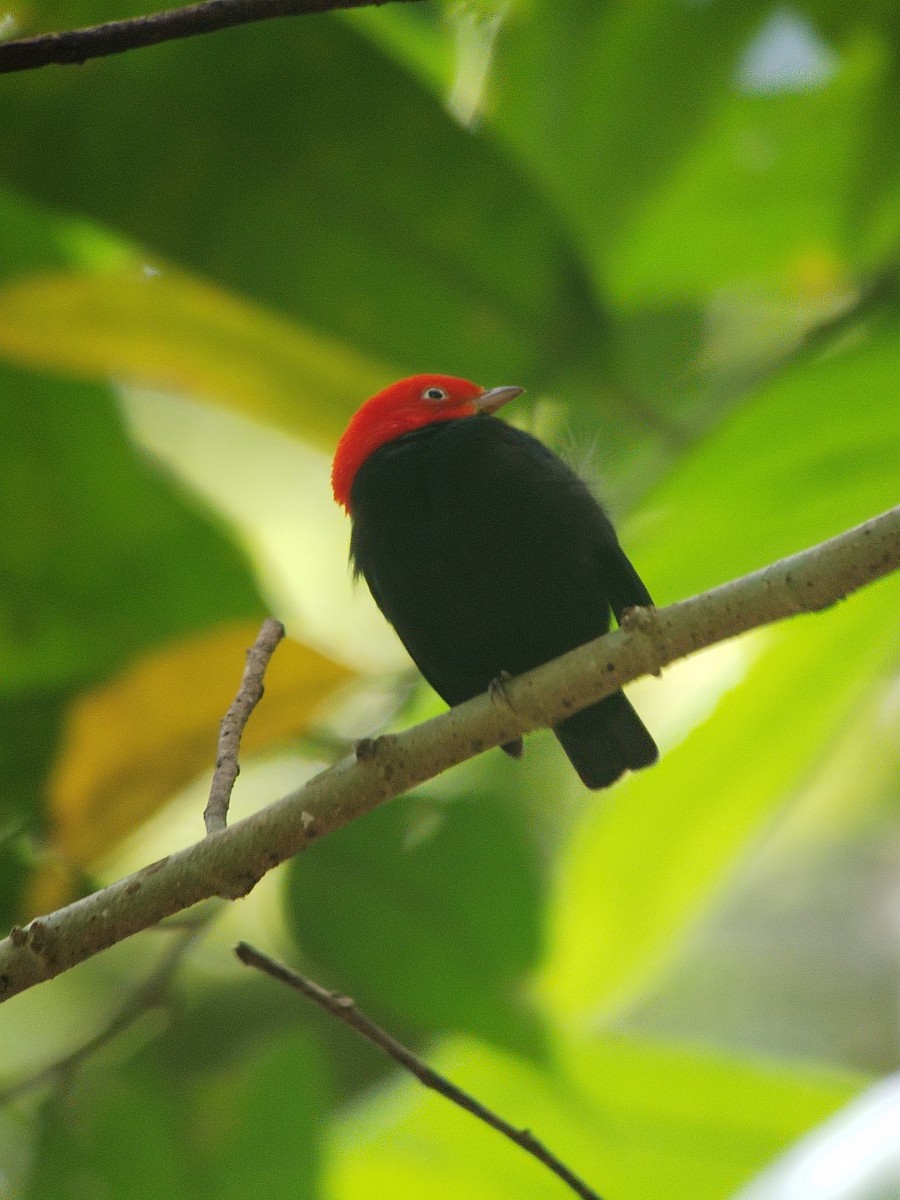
point(249, 694)
point(186, 929)
point(113, 37)
point(231, 862)
point(345, 1010)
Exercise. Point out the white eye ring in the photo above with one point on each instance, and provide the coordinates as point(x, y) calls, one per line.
point(435, 394)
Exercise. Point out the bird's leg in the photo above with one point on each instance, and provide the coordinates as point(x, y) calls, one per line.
point(367, 748)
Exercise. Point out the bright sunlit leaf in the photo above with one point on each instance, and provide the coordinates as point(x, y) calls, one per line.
point(644, 865)
point(161, 327)
point(633, 1118)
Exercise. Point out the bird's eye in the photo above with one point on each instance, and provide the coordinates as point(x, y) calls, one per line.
point(435, 393)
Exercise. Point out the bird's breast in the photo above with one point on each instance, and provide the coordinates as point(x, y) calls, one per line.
point(481, 548)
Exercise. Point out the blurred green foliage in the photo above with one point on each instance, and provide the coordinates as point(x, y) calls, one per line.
point(679, 226)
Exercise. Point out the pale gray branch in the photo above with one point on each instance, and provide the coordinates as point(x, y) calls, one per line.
point(229, 863)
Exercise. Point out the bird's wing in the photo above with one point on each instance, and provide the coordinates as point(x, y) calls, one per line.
point(511, 493)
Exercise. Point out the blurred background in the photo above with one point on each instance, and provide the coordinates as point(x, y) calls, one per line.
point(678, 225)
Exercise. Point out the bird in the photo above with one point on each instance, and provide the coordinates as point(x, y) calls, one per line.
point(487, 553)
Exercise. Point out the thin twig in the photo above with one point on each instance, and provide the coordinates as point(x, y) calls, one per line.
point(113, 37)
point(249, 694)
point(345, 1010)
point(230, 863)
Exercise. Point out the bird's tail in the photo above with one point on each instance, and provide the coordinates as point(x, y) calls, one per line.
point(605, 740)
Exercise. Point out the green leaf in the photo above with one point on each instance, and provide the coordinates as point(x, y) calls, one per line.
point(82, 302)
point(424, 249)
point(641, 871)
point(763, 198)
point(259, 1124)
point(100, 554)
point(813, 453)
point(170, 331)
point(873, 219)
point(121, 1138)
point(625, 91)
point(427, 913)
point(34, 240)
point(31, 722)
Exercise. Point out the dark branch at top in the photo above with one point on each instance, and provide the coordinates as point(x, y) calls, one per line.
point(97, 41)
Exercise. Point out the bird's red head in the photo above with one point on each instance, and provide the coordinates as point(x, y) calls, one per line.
point(410, 404)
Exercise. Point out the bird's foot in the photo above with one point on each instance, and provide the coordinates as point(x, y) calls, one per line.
point(368, 748)
point(644, 622)
point(497, 690)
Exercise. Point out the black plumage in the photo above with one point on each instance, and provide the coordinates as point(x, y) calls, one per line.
point(488, 554)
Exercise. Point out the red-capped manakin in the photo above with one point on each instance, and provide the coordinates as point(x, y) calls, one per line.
point(486, 552)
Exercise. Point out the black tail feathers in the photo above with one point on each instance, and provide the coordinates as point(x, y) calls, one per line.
point(606, 740)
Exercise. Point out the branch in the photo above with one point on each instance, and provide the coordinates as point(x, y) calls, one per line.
point(345, 1010)
point(249, 694)
point(229, 863)
point(113, 37)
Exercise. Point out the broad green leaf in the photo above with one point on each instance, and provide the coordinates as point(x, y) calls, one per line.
point(646, 865)
point(873, 218)
point(29, 730)
point(257, 1125)
point(30, 722)
point(424, 248)
point(763, 198)
point(427, 912)
point(115, 1134)
point(99, 554)
point(15, 869)
point(813, 452)
point(418, 36)
point(162, 328)
point(634, 1119)
point(37, 240)
point(129, 744)
point(796, 464)
point(625, 91)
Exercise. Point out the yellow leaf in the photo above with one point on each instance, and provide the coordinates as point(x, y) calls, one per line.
point(168, 330)
point(129, 745)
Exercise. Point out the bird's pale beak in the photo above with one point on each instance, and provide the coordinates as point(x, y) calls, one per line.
point(494, 398)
